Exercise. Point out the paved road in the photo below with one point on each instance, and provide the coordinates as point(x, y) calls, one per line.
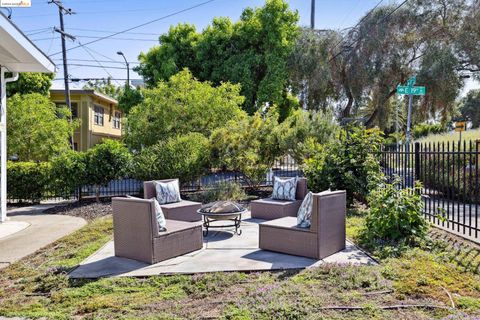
point(43, 229)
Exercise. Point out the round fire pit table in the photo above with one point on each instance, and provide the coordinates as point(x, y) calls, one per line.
point(222, 211)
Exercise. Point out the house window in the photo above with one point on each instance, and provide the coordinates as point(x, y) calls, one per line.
point(117, 116)
point(74, 108)
point(98, 115)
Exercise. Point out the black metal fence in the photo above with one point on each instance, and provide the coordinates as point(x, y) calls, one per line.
point(284, 167)
point(449, 173)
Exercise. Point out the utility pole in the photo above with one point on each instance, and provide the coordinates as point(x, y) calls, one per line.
point(62, 10)
point(312, 15)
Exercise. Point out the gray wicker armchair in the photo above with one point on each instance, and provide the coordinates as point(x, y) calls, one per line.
point(325, 236)
point(136, 235)
point(184, 210)
point(269, 209)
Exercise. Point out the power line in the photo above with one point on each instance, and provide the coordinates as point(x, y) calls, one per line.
point(358, 23)
point(94, 66)
point(93, 57)
point(142, 25)
point(112, 31)
point(104, 61)
point(93, 37)
point(72, 79)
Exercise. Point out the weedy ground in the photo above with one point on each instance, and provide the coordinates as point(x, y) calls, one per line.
point(437, 280)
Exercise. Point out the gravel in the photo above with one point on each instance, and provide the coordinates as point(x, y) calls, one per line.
point(86, 210)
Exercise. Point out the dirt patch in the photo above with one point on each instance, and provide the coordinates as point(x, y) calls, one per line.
point(85, 210)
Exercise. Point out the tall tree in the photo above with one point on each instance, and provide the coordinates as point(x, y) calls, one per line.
point(470, 107)
point(389, 45)
point(180, 106)
point(252, 52)
point(37, 129)
point(31, 82)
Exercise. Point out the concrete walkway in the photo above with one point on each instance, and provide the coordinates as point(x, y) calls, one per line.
point(33, 231)
point(222, 251)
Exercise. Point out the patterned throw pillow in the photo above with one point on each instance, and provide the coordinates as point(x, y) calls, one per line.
point(284, 188)
point(304, 214)
point(162, 223)
point(168, 192)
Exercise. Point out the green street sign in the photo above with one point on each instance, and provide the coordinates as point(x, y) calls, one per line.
point(411, 82)
point(415, 91)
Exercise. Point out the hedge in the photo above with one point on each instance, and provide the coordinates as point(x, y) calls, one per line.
point(28, 181)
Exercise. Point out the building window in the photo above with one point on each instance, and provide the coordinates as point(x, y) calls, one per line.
point(74, 108)
point(98, 115)
point(117, 116)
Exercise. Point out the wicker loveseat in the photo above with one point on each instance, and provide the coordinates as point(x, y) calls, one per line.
point(325, 236)
point(136, 235)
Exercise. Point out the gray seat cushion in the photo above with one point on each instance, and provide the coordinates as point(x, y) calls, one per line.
point(180, 204)
point(288, 223)
point(177, 226)
point(274, 202)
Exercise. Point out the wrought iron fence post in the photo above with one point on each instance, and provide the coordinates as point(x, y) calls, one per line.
point(417, 161)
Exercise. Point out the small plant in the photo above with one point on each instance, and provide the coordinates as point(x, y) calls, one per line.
point(395, 216)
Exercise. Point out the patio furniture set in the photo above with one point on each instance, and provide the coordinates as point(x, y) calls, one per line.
point(293, 221)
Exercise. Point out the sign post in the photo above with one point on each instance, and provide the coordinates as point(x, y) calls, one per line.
point(459, 127)
point(411, 91)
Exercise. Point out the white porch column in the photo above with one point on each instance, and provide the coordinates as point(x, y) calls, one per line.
point(3, 141)
point(3, 146)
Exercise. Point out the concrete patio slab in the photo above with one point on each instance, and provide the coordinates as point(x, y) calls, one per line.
point(7, 228)
point(40, 231)
point(222, 251)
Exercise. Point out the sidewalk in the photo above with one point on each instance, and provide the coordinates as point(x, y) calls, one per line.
point(32, 231)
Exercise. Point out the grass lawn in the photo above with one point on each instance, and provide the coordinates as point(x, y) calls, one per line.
point(452, 136)
point(441, 273)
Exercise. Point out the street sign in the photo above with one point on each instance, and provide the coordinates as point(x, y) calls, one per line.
point(411, 82)
point(460, 126)
point(410, 90)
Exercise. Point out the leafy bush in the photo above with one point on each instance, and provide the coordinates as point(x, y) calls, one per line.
point(297, 133)
point(68, 172)
point(180, 106)
point(37, 129)
point(105, 162)
point(248, 146)
point(221, 191)
point(425, 129)
point(351, 163)
point(27, 181)
point(183, 157)
point(395, 215)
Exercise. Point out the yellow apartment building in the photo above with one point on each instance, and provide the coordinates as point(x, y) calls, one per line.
point(99, 116)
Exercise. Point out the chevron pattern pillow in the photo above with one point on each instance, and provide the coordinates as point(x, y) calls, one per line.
point(284, 188)
point(304, 215)
point(168, 192)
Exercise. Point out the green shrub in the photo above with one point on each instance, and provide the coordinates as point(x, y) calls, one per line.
point(248, 146)
point(105, 162)
point(351, 163)
point(425, 129)
point(28, 181)
point(183, 157)
point(301, 129)
point(68, 172)
point(222, 191)
point(396, 214)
